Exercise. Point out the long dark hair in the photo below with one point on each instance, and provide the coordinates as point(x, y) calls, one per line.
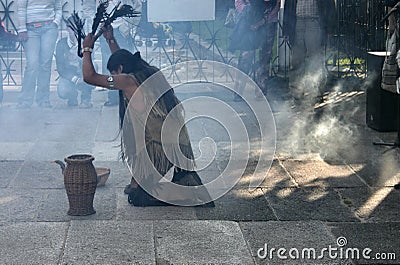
point(134, 64)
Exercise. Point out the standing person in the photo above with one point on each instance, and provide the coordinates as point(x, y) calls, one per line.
point(69, 67)
point(123, 28)
point(145, 150)
point(307, 23)
point(89, 8)
point(390, 70)
point(38, 31)
point(247, 37)
point(270, 22)
point(5, 36)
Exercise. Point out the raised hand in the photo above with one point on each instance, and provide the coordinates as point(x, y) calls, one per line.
point(108, 32)
point(89, 41)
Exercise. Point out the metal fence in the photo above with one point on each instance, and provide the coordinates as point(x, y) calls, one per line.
point(359, 30)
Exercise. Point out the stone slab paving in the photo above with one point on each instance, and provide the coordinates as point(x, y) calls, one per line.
point(107, 128)
point(17, 125)
point(38, 175)
point(382, 238)
point(194, 242)
point(275, 176)
point(301, 242)
point(19, 206)
point(106, 151)
point(382, 171)
point(32, 243)
point(295, 204)
point(309, 197)
point(362, 150)
point(113, 242)
point(200, 242)
point(15, 150)
point(239, 205)
point(372, 204)
point(9, 170)
point(54, 206)
point(124, 242)
point(48, 151)
point(125, 211)
point(79, 125)
point(322, 174)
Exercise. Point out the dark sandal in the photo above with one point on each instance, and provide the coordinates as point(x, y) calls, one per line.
point(139, 197)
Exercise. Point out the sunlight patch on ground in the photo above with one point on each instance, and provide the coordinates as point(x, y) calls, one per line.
point(246, 194)
point(4, 200)
point(284, 193)
point(373, 201)
point(316, 196)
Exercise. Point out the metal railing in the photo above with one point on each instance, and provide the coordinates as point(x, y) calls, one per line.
point(359, 30)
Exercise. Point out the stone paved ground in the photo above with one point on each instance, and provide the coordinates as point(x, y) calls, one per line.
point(327, 181)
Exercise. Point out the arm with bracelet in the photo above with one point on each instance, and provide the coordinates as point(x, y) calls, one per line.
point(116, 80)
point(108, 34)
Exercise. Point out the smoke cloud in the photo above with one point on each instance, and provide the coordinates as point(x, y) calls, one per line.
point(316, 126)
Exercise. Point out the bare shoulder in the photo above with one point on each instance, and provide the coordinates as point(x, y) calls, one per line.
point(125, 82)
point(128, 77)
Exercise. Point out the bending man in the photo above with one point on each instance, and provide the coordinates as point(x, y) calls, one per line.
point(148, 151)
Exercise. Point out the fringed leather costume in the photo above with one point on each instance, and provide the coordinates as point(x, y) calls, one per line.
point(155, 140)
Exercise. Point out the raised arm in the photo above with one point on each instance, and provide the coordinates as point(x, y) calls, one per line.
point(117, 81)
point(108, 34)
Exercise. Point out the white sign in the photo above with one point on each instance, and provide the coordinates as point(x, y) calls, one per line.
point(180, 10)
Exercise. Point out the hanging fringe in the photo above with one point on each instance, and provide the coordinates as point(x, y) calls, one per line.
point(142, 169)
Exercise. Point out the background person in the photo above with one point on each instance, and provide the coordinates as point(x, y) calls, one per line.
point(69, 67)
point(38, 31)
point(390, 68)
point(246, 37)
point(307, 24)
point(270, 22)
point(88, 12)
